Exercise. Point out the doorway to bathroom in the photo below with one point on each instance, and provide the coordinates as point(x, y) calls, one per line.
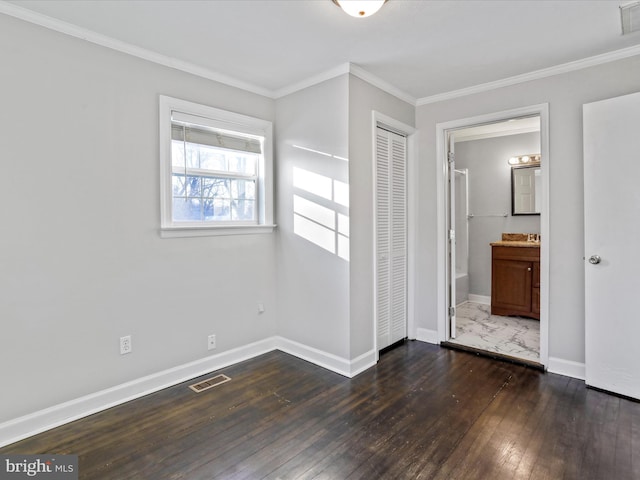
point(493, 232)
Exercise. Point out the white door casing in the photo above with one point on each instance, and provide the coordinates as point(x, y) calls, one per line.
point(452, 234)
point(612, 235)
point(442, 131)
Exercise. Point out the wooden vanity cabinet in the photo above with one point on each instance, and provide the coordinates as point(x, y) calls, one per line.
point(515, 280)
point(535, 290)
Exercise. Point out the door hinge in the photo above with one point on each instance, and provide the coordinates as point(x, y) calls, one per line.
point(450, 157)
point(452, 311)
point(452, 234)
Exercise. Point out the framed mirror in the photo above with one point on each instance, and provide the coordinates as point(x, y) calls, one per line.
point(525, 181)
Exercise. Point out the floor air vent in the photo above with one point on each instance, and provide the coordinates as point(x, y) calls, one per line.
point(209, 383)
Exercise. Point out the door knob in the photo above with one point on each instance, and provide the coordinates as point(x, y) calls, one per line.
point(594, 259)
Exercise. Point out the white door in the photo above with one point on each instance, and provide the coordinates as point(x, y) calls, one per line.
point(451, 234)
point(391, 237)
point(612, 239)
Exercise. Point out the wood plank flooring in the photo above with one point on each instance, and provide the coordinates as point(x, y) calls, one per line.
point(424, 412)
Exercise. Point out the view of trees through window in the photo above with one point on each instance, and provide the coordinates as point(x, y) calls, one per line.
point(213, 184)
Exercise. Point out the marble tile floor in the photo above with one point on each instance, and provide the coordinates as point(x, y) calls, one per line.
point(513, 336)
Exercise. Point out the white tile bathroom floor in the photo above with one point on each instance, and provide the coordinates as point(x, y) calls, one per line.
point(513, 336)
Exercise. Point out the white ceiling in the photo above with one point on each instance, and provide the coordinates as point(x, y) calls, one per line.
point(423, 48)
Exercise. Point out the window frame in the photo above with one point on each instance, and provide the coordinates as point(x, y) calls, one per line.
point(224, 120)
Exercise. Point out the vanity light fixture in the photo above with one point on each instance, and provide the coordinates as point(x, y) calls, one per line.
point(360, 8)
point(531, 159)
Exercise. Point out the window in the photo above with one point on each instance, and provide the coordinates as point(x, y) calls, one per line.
point(216, 171)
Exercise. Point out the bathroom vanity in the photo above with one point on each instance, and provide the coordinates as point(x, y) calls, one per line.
point(515, 278)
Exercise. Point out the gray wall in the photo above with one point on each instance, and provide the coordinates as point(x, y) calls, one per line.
point(81, 259)
point(313, 281)
point(565, 94)
point(489, 194)
point(325, 300)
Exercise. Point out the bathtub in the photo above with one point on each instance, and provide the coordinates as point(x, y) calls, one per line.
point(462, 287)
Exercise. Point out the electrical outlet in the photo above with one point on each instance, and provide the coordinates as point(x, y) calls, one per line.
point(261, 307)
point(125, 345)
point(211, 342)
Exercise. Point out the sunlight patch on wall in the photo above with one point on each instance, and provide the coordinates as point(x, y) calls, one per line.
point(343, 236)
point(312, 183)
point(341, 193)
point(320, 211)
point(315, 233)
point(324, 154)
point(311, 210)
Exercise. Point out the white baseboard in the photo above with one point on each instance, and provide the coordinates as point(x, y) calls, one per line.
point(482, 299)
point(363, 362)
point(327, 360)
point(567, 368)
point(42, 420)
point(48, 418)
point(426, 335)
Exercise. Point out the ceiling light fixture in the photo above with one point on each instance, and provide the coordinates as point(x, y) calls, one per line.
point(360, 8)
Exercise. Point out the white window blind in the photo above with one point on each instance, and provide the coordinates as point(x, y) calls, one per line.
point(213, 138)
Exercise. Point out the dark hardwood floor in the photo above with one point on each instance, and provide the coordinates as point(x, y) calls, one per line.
point(422, 412)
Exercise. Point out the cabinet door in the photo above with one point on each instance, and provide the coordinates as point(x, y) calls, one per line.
point(511, 287)
point(535, 303)
point(535, 296)
point(536, 274)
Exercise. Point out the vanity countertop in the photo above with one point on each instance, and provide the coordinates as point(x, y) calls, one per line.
point(515, 243)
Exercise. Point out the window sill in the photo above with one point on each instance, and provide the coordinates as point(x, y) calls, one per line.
point(213, 231)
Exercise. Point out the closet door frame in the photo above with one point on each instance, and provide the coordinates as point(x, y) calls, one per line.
point(379, 119)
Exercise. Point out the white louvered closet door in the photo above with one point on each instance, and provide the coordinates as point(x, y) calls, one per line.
point(391, 237)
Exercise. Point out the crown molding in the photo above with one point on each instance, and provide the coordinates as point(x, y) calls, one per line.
point(171, 62)
point(311, 81)
point(353, 69)
point(535, 75)
point(381, 84)
point(124, 47)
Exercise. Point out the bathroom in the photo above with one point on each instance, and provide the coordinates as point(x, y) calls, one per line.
point(484, 158)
